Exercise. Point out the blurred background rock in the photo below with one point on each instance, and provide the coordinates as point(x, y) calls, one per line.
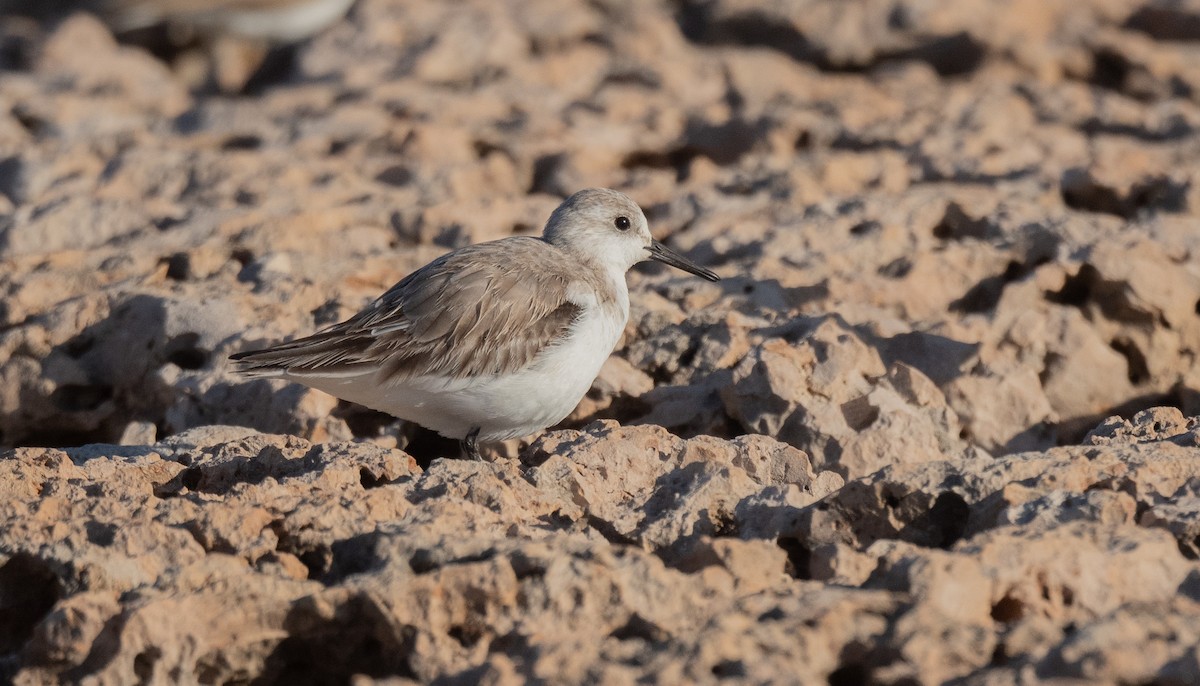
point(225, 44)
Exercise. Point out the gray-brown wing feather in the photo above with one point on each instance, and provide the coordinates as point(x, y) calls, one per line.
point(482, 310)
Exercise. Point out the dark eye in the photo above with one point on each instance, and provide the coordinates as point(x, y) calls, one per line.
point(622, 223)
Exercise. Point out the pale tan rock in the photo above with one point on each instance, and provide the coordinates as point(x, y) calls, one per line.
point(830, 395)
point(1164, 634)
point(81, 48)
point(138, 433)
point(753, 565)
point(479, 550)
point(686, 489)
point(67, 634)
point(840, 563)
point(1154, 424)
point(955, 238)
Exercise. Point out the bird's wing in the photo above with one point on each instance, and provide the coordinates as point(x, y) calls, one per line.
point(483, 310)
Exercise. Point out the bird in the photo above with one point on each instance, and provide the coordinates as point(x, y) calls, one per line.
point(491, 341)
point(233, 46)
point(278, 21)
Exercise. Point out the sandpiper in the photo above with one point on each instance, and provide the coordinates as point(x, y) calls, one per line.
point(279, 21)
point(492, 341)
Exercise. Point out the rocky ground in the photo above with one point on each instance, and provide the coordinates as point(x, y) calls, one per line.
point(907, 439)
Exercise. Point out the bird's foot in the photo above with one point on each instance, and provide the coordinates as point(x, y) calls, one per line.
point(470, 444)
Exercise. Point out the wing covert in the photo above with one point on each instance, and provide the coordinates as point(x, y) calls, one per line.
point(482, 310)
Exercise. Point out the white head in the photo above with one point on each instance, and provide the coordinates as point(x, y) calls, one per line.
point(607, 227)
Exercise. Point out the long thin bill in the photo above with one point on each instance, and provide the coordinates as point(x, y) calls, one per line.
point(662, 253)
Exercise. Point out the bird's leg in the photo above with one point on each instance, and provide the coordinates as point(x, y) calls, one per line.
point(470, 444)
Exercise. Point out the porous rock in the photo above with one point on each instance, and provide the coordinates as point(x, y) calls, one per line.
point(935, 424)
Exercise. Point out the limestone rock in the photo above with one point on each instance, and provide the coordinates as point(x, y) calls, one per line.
point(935, 424)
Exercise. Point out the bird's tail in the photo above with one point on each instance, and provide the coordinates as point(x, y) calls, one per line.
point(326, 353)
point(258, 364)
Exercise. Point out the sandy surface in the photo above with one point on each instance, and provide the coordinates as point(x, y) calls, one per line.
point(933, 425)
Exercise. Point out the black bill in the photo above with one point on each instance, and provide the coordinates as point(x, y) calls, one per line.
point(662, 253)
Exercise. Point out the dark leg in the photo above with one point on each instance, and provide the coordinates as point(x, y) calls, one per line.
point(470, 444)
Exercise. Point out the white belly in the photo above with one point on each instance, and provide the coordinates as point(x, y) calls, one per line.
point(503, 407)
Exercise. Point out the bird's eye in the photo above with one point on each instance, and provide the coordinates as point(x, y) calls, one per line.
point(622, 223)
